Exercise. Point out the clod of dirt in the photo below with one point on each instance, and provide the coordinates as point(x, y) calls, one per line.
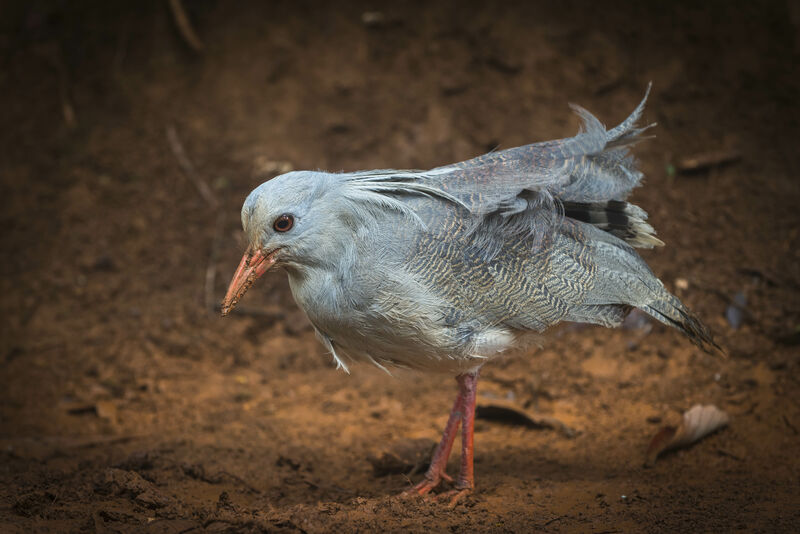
point(405, 456)
point(32, 504)
point(138, 461)
point(285, 461)
point(698, 422)
point(152, 499)
point(195, 471)
point(224, 502)
point(131, 484)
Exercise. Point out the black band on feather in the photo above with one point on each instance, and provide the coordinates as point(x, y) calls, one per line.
point(616, 217)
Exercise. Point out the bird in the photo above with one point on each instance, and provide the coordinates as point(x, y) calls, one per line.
point(442, 270)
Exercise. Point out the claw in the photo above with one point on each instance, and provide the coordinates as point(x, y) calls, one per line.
point(453, 497)
point(427, 485)
point(423, 488)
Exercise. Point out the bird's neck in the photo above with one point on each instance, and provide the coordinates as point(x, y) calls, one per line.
point(323, 276)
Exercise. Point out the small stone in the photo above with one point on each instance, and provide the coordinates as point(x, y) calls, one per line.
point(104, 263)
point(736, 311)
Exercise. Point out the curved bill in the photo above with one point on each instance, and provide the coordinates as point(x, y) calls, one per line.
point(254, 263)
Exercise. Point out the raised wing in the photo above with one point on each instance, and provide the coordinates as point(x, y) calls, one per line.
point(518, 193)
point(593, 166)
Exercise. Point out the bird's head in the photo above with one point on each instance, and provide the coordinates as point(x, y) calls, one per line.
point(288, 222)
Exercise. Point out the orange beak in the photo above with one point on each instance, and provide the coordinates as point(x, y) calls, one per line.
point(254, 263)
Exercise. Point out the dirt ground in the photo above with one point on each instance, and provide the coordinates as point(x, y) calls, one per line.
point(128, 405)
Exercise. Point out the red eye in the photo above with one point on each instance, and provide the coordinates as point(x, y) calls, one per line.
point(283, 223)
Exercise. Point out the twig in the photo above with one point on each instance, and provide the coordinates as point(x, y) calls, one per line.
point(790, 425)
point(211, 269)
point(499, 410)
point(76, 442)
point(202, 187)
point(198, 472)
point(104, 440)
point(729, 454)
point(185, 26)
point(188, 169)
point(702, 162)
point(54, 55)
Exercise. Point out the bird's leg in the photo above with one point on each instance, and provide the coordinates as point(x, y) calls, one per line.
point(436, 471)
point(463, 413)
point(468, 384)
point(468, 389)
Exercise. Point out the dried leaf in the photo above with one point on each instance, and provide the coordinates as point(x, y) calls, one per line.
point(507, 412)
point(698, 422)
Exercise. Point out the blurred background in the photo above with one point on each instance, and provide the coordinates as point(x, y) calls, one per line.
point(131, 133)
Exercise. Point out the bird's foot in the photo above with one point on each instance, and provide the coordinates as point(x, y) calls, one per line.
point(427, 484)
point(453, 496)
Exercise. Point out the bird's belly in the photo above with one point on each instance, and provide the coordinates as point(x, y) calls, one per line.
point(397, 347)
point(397, 323)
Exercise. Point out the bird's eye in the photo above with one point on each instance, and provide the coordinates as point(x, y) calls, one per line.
point(283, 223)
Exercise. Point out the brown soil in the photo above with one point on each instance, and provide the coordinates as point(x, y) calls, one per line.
point(127, 406)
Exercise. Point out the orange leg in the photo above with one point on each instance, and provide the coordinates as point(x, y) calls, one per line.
point(436, 471)
point(468, 385)
point(463, 413)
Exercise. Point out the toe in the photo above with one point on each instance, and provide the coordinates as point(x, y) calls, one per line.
point(453, 497)
point(422, 488)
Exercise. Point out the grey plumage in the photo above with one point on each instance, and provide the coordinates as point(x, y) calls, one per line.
point(443, 269)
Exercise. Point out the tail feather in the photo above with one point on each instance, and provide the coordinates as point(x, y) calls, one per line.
point(670, 311)
point(626, 133)
point(621, 279)
point(621, 219)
